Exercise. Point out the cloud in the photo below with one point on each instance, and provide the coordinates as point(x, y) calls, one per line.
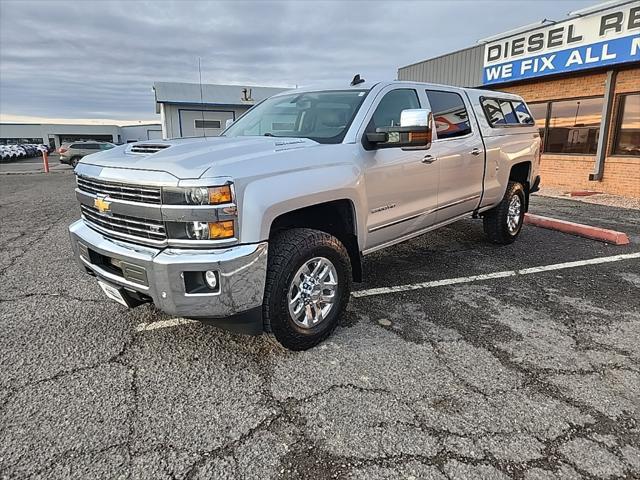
point(98, 59)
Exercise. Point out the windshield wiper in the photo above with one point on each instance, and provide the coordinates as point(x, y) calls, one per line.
point(268, 134)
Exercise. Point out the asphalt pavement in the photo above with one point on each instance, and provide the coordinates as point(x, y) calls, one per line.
point(33, 165)
point(534, 374)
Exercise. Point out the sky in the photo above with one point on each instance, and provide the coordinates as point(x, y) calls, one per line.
point(97, 60)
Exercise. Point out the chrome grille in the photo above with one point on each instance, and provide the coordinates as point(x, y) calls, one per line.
point(120, 191)
point(146, 148)
point(141, 228)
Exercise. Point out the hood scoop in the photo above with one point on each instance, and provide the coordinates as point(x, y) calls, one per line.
point(147, 148)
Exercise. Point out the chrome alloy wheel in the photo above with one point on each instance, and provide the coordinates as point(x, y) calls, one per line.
point(313, 292)
point(514, 214)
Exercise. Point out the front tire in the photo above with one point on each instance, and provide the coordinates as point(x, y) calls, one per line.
point(307, 288)
point(503, 223)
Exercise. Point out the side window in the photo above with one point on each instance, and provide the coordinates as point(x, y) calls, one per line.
point(500, 111)
point(493, 111)
point(522, 113)
point(507, 111)
point(449, 114)
point(387, 113)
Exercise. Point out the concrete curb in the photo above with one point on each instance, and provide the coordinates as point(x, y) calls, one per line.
point(586, 231)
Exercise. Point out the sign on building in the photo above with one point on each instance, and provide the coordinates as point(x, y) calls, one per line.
point(599, 39)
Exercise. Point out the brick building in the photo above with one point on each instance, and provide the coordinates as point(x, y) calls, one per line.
point(581, 79)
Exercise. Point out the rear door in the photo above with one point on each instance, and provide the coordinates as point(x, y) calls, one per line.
point(459, 152)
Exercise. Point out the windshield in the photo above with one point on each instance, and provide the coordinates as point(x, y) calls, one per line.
point(321, 116)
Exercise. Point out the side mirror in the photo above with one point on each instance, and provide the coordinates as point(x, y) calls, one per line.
point(228, 123)
point(414, 132)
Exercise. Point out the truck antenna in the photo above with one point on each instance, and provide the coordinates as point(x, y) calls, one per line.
point(204, 130)
point(357, 80)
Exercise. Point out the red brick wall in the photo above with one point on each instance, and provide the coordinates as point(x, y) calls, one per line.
point(621, 174)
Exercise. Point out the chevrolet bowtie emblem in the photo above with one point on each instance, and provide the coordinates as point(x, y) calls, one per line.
point(102, 204)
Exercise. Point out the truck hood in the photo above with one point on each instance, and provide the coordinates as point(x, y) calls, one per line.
point(193, 157)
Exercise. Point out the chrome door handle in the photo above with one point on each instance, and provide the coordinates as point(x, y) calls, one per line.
point(475, 152)
point(429, 159)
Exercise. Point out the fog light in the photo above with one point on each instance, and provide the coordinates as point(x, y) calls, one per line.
point(211, 278)
point(197, 230)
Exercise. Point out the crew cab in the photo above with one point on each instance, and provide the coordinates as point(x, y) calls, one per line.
point(265, 228)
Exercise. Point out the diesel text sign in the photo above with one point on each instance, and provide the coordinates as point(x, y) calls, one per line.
point(599, 39)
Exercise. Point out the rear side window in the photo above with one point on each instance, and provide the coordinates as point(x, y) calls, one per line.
point(449, 114)
point(522, 112)
point(493, 112)
point(501, 112)
point(507, 111)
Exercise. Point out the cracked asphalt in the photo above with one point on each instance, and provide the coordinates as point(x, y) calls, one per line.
point(526, 377)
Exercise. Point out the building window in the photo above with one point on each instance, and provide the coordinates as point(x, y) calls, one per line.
point(627, 133)
point(449, 114)
point(208, 124)
point(574, 126)
point(539, 112)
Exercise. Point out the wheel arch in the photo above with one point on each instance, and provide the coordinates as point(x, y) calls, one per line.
point(521, 172)
point(335, 217)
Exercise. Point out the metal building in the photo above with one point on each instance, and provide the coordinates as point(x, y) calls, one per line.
point(462, 68)
point(581, 79)
point(187, 110)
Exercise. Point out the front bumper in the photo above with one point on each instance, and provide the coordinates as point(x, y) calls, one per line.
point(158, 274)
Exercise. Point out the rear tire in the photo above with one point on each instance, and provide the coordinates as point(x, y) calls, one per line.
point(307, 288)
point(503, 223)
point(74, 162)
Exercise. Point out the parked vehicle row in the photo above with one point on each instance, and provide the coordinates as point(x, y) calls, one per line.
point(25, 150)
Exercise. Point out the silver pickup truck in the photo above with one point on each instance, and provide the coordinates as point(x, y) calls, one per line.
point(264, 228)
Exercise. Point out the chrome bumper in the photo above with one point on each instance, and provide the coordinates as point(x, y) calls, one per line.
point(158, 273)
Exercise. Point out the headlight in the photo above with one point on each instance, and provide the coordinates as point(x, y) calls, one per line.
point(201, 230)
point(197, 195)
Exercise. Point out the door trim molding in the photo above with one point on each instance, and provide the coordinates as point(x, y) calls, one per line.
point(419, 214)
point(416, 234)
point(405, 219)
point(457, 202)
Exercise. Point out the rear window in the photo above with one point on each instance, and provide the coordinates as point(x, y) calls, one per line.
point(502, 112)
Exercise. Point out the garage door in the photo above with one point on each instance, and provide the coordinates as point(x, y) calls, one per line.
point(196, 123)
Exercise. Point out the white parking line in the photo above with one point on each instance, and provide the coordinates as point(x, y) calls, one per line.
point(488, 276)
point(173, 322)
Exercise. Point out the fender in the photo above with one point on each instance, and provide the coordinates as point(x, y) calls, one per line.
point(267, 198)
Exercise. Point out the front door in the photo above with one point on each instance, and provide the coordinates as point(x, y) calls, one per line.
point(402, 185)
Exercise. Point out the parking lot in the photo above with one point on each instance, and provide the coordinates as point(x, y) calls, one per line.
point(32, 165)
point(529, 374)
